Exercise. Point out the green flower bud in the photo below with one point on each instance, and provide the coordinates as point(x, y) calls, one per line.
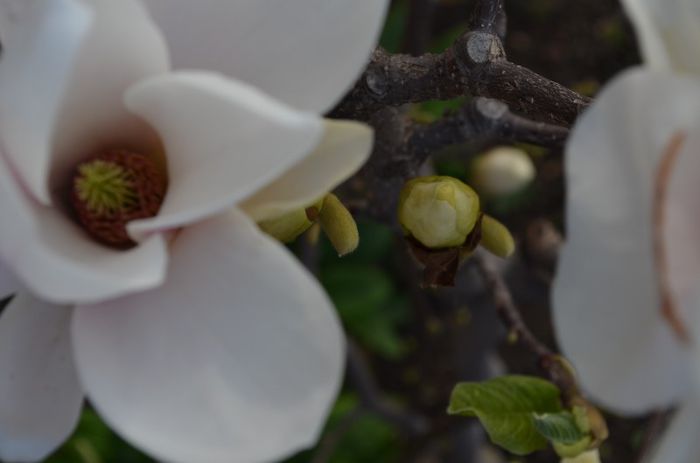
point(339, 225)
point(503, 171)
point(439, 212)
point(288, 227)
point(496, 238)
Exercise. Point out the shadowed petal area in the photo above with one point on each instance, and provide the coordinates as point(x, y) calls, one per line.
point(345, 146)
point(240, 340)
point(123, 46)
point(41, 40)
point(306, 52)
point(41, 395)
point(8, 282)
point(668, 31)
point(607, 309)
point(59, 262)
point(65, 66)
point(224, 140)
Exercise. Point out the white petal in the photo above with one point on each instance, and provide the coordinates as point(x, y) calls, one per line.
point(239, 340)
point(606, 302)
point(679, 443)
point(59, 262)
point(306, 52)
point(668, 31)
point(224, 141)
point(41, 395)
point(343, 149)
point(41, 40)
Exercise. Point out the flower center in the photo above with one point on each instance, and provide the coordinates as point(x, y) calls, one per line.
point(113, 188)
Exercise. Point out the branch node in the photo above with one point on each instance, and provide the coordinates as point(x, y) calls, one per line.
point(477, 48)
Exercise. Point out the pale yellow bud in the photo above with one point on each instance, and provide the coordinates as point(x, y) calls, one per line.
point(289, 226)
point(592, 456)
point(439, 212)
point(339, 225)
point(496, 238)
point(503, 171)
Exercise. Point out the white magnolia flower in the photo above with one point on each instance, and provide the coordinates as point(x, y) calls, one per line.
point(626, 301)
point(207, 341)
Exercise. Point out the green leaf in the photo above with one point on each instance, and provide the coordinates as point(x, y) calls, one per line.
point(394, 27)
point(560, 427)
point(357, 435)
point(505, 407)
point(94, 442)
point(369, 305)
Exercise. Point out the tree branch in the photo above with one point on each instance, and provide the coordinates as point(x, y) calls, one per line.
point(372, 398)
point(484, 119)
point(476, 65)
point(552, 364)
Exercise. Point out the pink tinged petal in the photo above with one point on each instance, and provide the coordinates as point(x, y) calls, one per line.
point(681, 235)
point(681, 229)
point(345, 146)
point(607, 308)
point(679, 443)
point(306, 53)
point(41, 40)
point(41, 395)
point(668, 31)
point(123, 47)
point(240, 339)
point(224, 141)
point(58, 261)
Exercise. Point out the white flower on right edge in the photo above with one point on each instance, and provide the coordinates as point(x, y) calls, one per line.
point(627, 295)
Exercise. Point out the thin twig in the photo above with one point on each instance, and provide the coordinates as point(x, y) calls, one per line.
point(552, 364)
point(360, 375)
point(506, 308)
point(486, 15)
point(330, 441)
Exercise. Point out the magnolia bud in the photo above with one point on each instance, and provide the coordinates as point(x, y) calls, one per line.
point(439, 212)
point(592, 456)
point(496, 238)
point(339, 225)
point(289, 226)
point(503, 171)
